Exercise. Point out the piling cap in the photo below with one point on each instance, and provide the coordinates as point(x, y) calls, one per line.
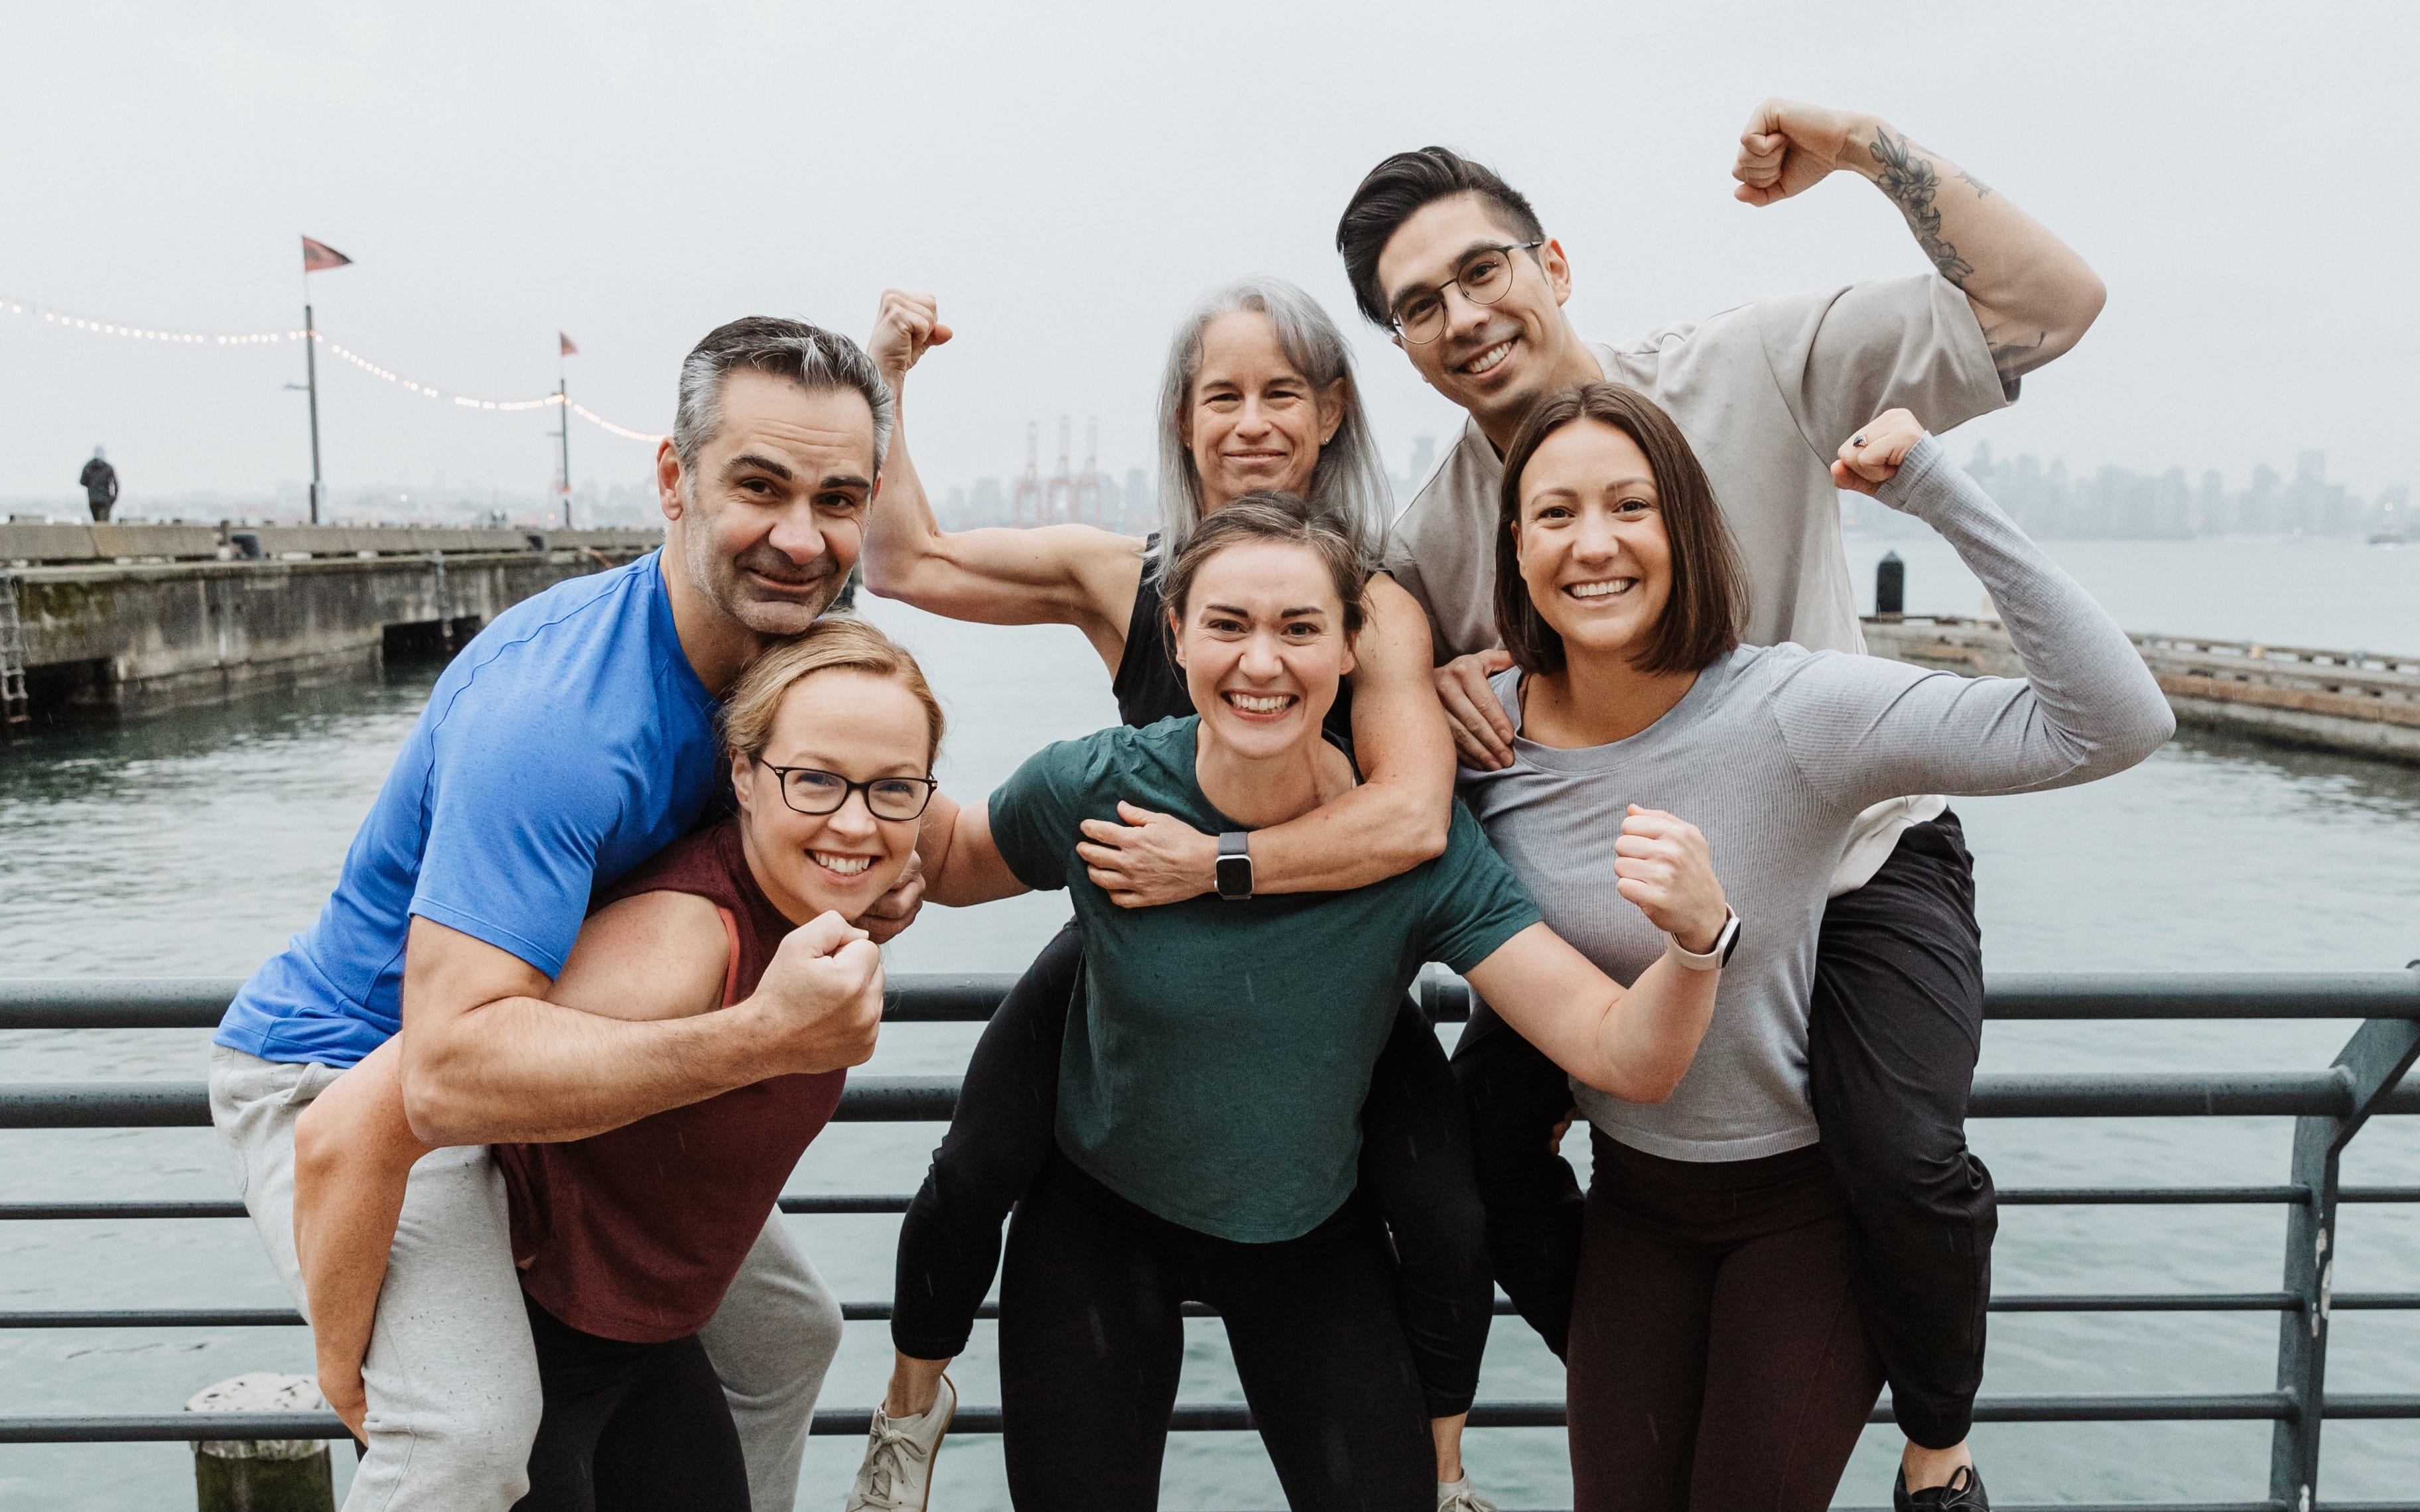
point(260, 1391)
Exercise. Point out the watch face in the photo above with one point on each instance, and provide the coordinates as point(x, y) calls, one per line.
point(1729, 943)
point(1234, 875)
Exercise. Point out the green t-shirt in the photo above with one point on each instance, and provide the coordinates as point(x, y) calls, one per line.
point(1215, 1068)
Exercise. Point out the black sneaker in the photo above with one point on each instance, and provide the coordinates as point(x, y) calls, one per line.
point(1965, 1493)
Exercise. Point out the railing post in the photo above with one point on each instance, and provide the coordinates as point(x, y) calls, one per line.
point(2372, 1064)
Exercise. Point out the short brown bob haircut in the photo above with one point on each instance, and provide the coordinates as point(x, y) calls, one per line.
point(1709, 601)
point(1272, 515)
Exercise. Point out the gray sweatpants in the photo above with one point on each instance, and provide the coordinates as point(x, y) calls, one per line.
point(451, 1376)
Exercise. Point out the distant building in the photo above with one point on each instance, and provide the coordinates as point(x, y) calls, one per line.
point(1139, 507)
point(2119, 504)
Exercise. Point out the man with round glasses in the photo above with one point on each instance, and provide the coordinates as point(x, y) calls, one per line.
point(1453, 262)
point(572, 740)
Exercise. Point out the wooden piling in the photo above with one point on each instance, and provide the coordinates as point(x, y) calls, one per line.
point(262, 1474)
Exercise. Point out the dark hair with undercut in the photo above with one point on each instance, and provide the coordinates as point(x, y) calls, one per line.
point(1395, 190)
point(1701, 625)
point(1289, 520)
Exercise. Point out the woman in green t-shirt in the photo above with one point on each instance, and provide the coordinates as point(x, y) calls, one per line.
point(1216, 1063)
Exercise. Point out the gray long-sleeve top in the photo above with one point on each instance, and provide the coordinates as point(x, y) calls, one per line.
point(1773, 754)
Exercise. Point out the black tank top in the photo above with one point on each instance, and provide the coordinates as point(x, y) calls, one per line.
point(1150, 686)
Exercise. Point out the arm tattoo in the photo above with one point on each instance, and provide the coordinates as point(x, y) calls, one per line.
point(1982, 190)
point(1911, 181)
point(2012, 355)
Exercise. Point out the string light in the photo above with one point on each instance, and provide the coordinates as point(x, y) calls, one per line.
point(70, 320)
point(67, 320)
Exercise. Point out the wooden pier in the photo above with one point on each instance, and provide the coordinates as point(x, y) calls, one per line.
point(2356, 701)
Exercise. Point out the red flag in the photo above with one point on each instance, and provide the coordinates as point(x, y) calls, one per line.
point(317, 257)
point(568, 349)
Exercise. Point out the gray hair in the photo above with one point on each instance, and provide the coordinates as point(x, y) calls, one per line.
point(809, 356)
point(1349, 478)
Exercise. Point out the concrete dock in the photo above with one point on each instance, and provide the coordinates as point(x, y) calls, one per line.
point(128, 620)
point(2345, 701)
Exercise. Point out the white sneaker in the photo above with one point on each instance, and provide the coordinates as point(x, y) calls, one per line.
point(1457, 1496)
point(897, 1474)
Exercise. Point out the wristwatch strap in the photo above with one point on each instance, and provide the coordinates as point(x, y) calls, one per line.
point(1725, 941)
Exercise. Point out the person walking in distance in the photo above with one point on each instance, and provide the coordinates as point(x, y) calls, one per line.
point(1457, 267)
point(100, 481)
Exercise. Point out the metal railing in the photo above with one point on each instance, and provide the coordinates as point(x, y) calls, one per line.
point(2328, 1107)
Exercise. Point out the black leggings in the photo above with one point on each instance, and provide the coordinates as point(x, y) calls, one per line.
point(1895, 1026)
point(1717, 1359)
point(1416, 1172)
point(1090, 1342)
point(629, 1428)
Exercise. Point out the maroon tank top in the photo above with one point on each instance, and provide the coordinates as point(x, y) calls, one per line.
point(635, 1234)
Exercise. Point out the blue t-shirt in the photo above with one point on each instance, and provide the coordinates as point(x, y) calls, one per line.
point(568, 743)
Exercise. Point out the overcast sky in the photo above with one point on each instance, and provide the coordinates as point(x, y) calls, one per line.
point(1068, 177)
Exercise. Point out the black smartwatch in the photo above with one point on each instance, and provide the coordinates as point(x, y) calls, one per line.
point(1234, 870)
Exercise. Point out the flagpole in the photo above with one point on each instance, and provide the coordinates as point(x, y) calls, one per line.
point(311, 370)
point(563, 403)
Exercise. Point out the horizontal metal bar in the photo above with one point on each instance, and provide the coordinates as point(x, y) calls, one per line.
point(879, 1312)
point(157, 1318)
point(2175, 1095)
point(824, 1204)
point(187, 1104)
point(2095, 1301)
point(2030, 1197)
point(2095, 1196)
point(815, 1204)
point(90, 1211)
point(2202, 994)
point(931, 1098)
point(1218, 1416)
point(934, 997)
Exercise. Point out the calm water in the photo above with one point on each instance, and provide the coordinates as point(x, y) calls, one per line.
point(193, 845)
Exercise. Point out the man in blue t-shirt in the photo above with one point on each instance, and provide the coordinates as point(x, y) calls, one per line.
point(570, 741)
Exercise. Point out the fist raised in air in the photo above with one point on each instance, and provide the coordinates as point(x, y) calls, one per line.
point(903, 328)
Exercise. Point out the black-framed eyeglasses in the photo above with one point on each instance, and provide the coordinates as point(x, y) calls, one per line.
point(810, 789)
point(1483, 277)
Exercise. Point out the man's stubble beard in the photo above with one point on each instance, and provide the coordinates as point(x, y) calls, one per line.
point(722, 580)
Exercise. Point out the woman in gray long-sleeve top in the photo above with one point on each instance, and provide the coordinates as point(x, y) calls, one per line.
point(1717, 1356)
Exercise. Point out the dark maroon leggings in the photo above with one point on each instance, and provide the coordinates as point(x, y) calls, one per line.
point(1717, 1361)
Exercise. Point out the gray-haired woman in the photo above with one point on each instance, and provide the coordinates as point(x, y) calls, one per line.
point(1259, 395)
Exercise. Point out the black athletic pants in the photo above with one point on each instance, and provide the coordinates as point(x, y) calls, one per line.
point(1895, 1027)
point(1091, 1341)
point(629, 1428)
point(1717, 1361)
point(1416, 1173)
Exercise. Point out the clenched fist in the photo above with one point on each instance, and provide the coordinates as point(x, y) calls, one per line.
point(1661, 864)
point(1871, 457)
point(821, 998)
point(903, 328)
point(1790, 147)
